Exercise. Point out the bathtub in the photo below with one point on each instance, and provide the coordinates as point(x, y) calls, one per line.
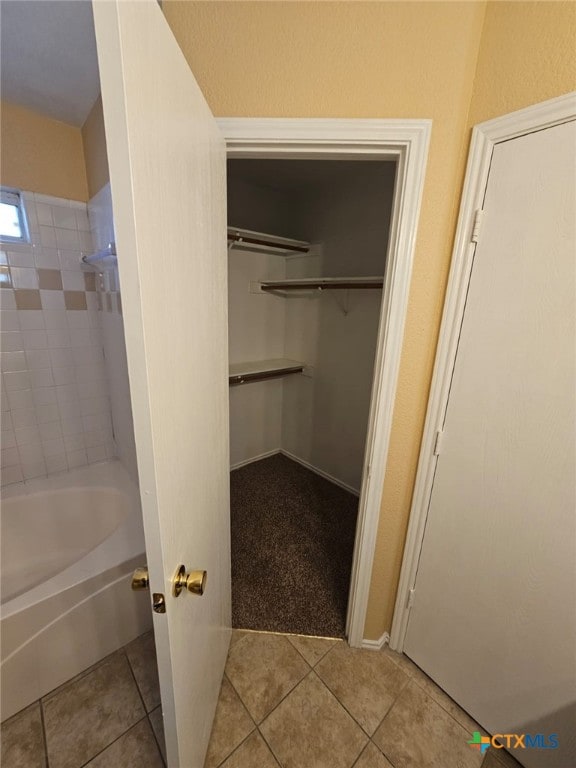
point(69, 545)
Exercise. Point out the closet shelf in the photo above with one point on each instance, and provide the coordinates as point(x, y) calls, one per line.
point(243, 373)
point(261, 241)
point(322, 283)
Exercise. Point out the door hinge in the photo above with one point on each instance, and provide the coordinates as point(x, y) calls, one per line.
point(438, 442)
point(476, 226)
point(410, 602)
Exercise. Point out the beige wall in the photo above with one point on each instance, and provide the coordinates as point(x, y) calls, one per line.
point(359, 60)
point(379, 59)
point(41, 155)
point(95, 154)
point(455, 62)
point(527, 55)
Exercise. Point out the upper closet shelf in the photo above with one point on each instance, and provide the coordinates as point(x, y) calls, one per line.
point(242, 373)
point(103, 259)
point(322, 283)
point(247, 239)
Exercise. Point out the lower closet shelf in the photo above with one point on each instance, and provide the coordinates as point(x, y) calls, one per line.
point(243, 373)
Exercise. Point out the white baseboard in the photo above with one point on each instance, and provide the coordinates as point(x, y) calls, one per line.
point(320, 472)
point(255, 458)
point(376, 645)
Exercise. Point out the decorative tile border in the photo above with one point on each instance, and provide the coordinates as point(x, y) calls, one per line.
point(50, 292)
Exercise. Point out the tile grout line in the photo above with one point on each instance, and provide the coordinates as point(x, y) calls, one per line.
point(240, 699)
point(154, 732)
point(257, 725)
point(311, 672)
point(87, 763)
point(145, 708)
point(408, 678)
point(381, 751)
point(276, 705)
point(364, 748)
point(244, 740)
point(391, 707)
point(458, 723)
point(345, 708)
point(414, 678)
point(254, 723)
point(122, 651)
point(44, 738)
point(270, 747)
point(301, 654)
point(81, 676)
point(326, 685)
point(76, 678)
point(319, 678)
point(326, 652)
point(63, 686)
point(236, 748)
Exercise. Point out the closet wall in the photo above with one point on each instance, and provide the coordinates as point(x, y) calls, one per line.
point(344, 209)
point(257, 323)
point(325, 417)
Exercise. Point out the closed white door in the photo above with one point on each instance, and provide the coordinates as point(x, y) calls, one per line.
point(167, 168)
point(494, 614)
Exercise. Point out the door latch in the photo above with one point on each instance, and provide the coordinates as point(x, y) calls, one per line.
point(158, 602)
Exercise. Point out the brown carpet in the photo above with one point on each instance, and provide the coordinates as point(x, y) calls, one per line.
point(292, 542)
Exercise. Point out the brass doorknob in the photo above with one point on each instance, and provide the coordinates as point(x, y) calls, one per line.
point(140, 578)
point(194, 582)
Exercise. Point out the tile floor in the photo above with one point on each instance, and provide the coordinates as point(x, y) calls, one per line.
point(286, 700)
point(107, 717)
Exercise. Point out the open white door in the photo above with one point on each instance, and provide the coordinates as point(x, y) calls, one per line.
point(168, 173)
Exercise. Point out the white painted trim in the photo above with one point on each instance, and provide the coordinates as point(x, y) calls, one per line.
point(484, 137)
point(320, 472)
point(406, 142)
point(260, 456)
point(376, 645)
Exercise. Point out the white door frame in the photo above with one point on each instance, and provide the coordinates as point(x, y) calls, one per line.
point(484, 137)
point(406, 142)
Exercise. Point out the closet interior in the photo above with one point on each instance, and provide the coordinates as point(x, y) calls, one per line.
point(307, 244)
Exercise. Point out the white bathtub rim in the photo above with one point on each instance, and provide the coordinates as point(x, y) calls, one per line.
point(110, 473)
point(125, 543)
point(45, 533)
point(108, 619)
point(61, 616)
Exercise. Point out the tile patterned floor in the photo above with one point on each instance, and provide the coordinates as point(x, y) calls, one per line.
point(286, 700)
point(107, 717)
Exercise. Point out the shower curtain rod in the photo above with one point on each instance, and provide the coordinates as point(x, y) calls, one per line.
point(101, 259)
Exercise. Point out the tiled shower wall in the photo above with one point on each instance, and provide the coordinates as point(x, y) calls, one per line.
point(112, 324)
point(55, 409)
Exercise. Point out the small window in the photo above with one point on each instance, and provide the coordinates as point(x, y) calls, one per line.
point(13, 228)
